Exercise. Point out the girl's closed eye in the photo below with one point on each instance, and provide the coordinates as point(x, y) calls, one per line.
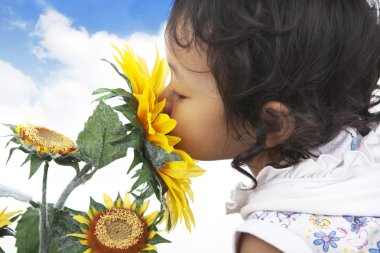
point(178, 96)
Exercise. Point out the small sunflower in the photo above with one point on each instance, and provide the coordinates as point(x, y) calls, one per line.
point(43, 145)
point(45, 141)
point(5, 221)
point(174, 167)
point(120, 227)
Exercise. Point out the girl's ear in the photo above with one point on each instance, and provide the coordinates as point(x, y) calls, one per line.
point(280, 122)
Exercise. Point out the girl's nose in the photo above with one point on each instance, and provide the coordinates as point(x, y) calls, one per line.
point(165, 94)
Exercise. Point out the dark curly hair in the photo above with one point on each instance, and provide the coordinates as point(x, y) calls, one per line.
point(321, 58)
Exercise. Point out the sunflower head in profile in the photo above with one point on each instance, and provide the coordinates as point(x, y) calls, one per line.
point(42, 144)
point(45, 142)
point(165, 171)
point(119, 227)
point(6, 219)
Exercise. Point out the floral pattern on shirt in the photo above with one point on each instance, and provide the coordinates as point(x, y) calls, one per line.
point(325, 233)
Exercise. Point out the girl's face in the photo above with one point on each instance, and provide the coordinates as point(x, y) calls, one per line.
point(192, 99)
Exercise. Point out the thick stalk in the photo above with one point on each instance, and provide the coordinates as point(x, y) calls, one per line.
point(44, 226)
point(80, 178)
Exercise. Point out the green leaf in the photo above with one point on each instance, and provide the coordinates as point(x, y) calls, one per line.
point(129, 110)
point(158, 239)
point(98, 206)
point(12, 127)
point(143, 176)
point(117, 92)
point(14, 218)
point(158, 156)
point(67, 162)
point(132, 140)
point(14, 140)
point(62, 224)
point(27, 240)
point(106, 97)
point(6, 231)
point(136, 160)
point(10, 154)
point(26, 160)
point(101, 129)
point(35, 163)
point(1, 250)
point(128, 126)
point(120, 74)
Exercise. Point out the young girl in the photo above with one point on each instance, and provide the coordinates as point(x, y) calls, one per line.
point(287, 88)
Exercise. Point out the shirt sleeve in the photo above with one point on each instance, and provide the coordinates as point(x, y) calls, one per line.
point(277, 236)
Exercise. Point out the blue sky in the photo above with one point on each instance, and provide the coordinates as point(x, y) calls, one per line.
point(18, 19)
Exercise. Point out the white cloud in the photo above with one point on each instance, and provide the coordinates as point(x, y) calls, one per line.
point(18, 24)
point(62, 101)
point(17, 93)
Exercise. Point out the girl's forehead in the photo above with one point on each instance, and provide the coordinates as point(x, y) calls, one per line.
point(192, 57)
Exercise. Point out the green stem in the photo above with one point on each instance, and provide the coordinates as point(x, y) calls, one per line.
point(80, 178)
point(44, 226)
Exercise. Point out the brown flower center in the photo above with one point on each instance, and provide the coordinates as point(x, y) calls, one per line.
point(48, 140)
point(120, 229)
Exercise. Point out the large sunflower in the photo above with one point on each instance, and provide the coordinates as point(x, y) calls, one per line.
point(178, 167)
point(120, 228)
point(146, 88)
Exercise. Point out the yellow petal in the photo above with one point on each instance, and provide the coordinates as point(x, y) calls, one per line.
point(133, 207)
point(173, 140)
point(18, 129)
point(179, 169)
point(143, 108)
point(89, 213)
point(158, 107)
point(94, 211)
point(150, 247)
point(151, 218)
point(164, 124)
point(78, 235)
point(143, 207)
point(108, 201)
point(81, 219)
point(127, 201)
point(83, 242)
point(5, 223)
point(118, 204)
point(87, 251)
point(152, 234)
point(149, 124)
point(160, 140)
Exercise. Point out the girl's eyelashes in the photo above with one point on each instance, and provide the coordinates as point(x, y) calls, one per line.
point(178, 96)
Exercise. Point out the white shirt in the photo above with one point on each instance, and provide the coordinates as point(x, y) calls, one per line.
point(340, 181)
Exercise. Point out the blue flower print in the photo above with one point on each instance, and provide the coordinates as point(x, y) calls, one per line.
point(349, 218)
point(326, 240)
point(375, 250)
point(356, 222)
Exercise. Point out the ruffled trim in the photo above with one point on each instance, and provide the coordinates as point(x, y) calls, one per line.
point(338, 165)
